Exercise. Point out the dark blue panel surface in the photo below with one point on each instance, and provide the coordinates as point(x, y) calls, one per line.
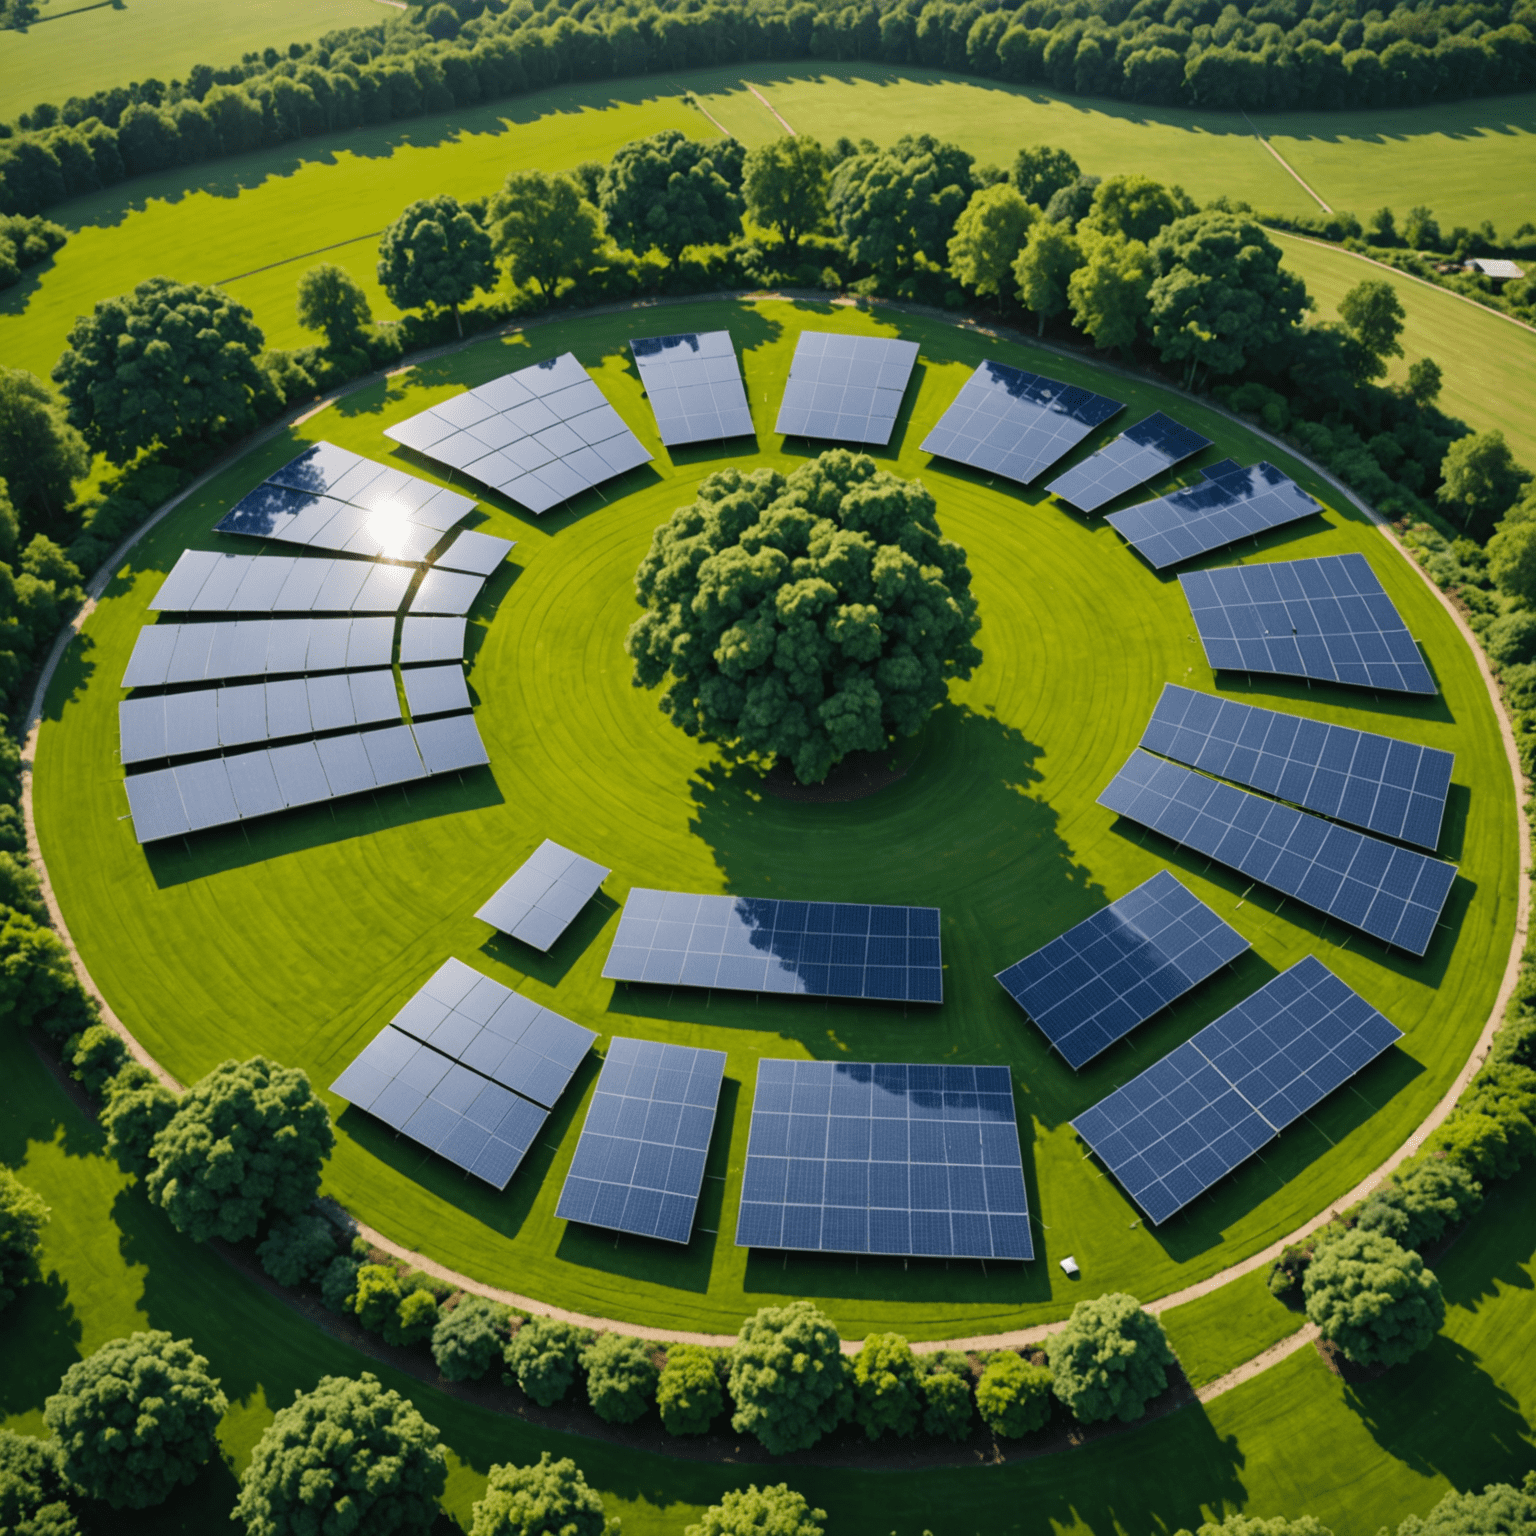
point(1377, 782)
point(845, 388)
point(749, 944)
point(1230, 504)
point(1008, 422)
point(1154, 444)
point(639, 1164)
point(849, 1157)
point(1099, 980)
point(1173, 1131)
point(694, 386)
point(1327, 618)
point(1392, 893)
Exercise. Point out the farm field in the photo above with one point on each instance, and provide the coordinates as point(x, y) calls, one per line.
point(298, 937)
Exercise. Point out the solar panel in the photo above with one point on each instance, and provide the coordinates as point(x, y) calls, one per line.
point(449, 744)
point(1189, 1119)
point(639, 1165)
point(752, 944)
point(502, 1034)
point(477, 553)
point(1396, 788)
point(1217, 511)
point(425, 639)
point(694, 386)
point(476, 1124)
point(449, 592)
point(540, 435)
point(1154, 444)
point(1327, 618)
point(436, 690)
point(1114, 970)
point(858, 1157)
point(204, 583)
point(548, 889)
point(845, 388)
point(1392, 893)
point(1016, 424)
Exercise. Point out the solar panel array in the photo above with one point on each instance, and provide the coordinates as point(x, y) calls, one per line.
point(893, 1159)
point(446, 592)
point(639, 1165)
point(694, 386)
point(426, 639)
point(1016, 424)
point(1099, 980)
point(1154, 444)
point(477, 553)
point(1327, 618)
point(197, 653)
point(1189, 1119)
point(1220, 509)
point(501, 1034)
point(474, 1123)
point(436, 691)
point(330, 498)
point(751, 944)
point(544, 895)
point(1396, 788)
point(541, 435)
point(203, 582)
point(1392, 893)
point(220, 790)
point(179, 724)
point(845, 388)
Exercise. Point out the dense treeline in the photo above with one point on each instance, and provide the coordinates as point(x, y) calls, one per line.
point(1271, 55)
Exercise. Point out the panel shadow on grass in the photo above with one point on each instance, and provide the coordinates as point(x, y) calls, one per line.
point(552, 965)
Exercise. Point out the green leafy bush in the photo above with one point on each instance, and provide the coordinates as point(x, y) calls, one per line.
point(298, 1251)
point(1110, 1360)
point(338, 1283)
point(1013, 1396)
point(1499, 1510)
point(621, 1377)
point(470, 1337)
point(550, 1498)
point(135, 1114)
point(22, 1219)
point(887, 1397)
point(752, 1511)
point(33, 1490)
point(946, 1405)
point(788, 1377)
point(1373, 1298)
point(99, 1054)
point(542, 1356)
point(688, 1392)
point(1421, 1201)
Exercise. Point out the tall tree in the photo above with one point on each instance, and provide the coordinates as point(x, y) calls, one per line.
point(331, 302)
point(788, 1377)
point(435, 253)
point(1479, 481)
point(1040, 172)
point(1137, 207)
point(777, 1510)
point(988, 237)
point(544, 228)
point(1373, 1298)
point(785, 185)
point(1108, 293)
point(41, 455)
point(1044, 268)
point(670, 192)
point(22, 1219)
point(1110, 1360)
point(1373, 311)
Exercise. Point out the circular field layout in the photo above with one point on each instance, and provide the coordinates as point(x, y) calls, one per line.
point(299, 936)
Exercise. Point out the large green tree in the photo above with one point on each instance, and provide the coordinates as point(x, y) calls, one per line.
point(668, 192)
point(136, 1419)
point(1108, 293)
point(988, 237)
point(168, 363)
point(788, 1377)
point(41, 456)
point(785, 185)
point(1136, 207)
point(621, 1377)
point(1373, 311)
point(1110, 1360)
point(347, 1457)
point(1013, 1396)
point(1479, 481)
point(544, 228)
point(550, 1498)
point(1499, 1510)
point(332, 302)
point(542, 1357)
point(1041, 171)
point(469, 1339)
point(436, 252)
point(887, 1395)
point(246, 1142)
point(1043, 270)
point(777, 1510)
point(688, 1393)
point(1420, 1201)
point(1220, 295)
point(1373, 1298)
point(23, 1215)
point(33, 1490)
point(807, 617)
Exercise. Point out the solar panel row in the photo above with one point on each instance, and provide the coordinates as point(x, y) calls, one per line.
point(198, 653)
point(446, 592)
point(1392, 787)
point(845, 388)
point(424, 639)
point(220, 790)
point(694, 386)
point(204, 582)
point(1099, 980)
point(436, 691)
point(477, 553)
point(1392, 893)
point(544, 894)
point(1189, 1119)
point(815, 948)
point(1154, 444)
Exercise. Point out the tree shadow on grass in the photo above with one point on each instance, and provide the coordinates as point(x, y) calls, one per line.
point(72, 676)
point(42, 1340)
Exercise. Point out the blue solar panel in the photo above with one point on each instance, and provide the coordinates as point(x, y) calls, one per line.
point(1377, 782)
point(749, 944)
point(849, 1157)
point(1189, 1119)
point(1015, 424)
point(1221, 508)
point(694, 386)
point(845, 388)
point(1099, 980)
point(544, 895)
point(1394, 894)
point(459, 1114)
point(639, 1165)
point(1327, 618)
point(1154, 444)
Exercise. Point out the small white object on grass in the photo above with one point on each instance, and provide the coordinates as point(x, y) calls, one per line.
point(1069, 1266)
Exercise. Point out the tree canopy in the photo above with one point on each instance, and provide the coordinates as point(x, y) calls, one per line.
point(550, 1498)
point(1108, 293)
point(166, 363)
point(1499, 1510)
point(469, 1338)
point(542, 1357)
point(887, 1396)
point(688, 1393)
point(670, 192)
point(246, 1142)
point(1043, 270)
point(349, 1456)
point(1040, 172)
point(23, 1215)
point(135, 1113)
point(1136, 207)
point(1013, 1396)
point(987, 238)
point(1420, 1201)
point(947, 1408)
point(1256, 1525)
point(1373, 311)
point(435, 253)
point(331, 302)
point(136, 1419)
point(41, 456)
point(1480, 480)
point(752, 1511)
point(297, 1251)
point(621, 1377)
point(544, 228)
point(1110, 1360)
point(1373, 1298)
point(785, 185)
point(806, 617)
point(788, 1377)
point(33, 1489)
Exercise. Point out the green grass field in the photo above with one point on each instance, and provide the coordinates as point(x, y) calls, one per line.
point(1216, 1333)
point(79, 46)
point(300, 936)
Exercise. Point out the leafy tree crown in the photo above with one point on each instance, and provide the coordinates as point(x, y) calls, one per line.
point(784, 183)
point(621, 1377)
point(1013, 1396)
point(1373, 1298)
point(1499, 1510)
point(23, 1215)
point(1421, 1201)
point(689, 1393)
point(669, 192)
point(1110, 1360)
point(41, 455)
point(1040, 172)
point(33, 1488)
point(544, 228)
point(470, 1337)
point(887, 1398)
point(542, 1356)
point(331, 302)
point(896, 205)
point(787, 1377)
point(551, 1498)
point(752, 1511)
point(435, 253)
point(946, 1405)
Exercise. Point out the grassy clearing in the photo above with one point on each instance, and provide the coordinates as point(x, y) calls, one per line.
point(1215, 1334)
point(299, 937)
point(1489, 362)
point(79, 46)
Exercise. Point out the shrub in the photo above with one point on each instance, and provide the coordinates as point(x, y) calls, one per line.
point(1013, 1397)
point(886, 1396)
point(549, 1499)
point(752, 1511)
point(621, 1377)
point(1421, 1201)
point(1110, 1360)
point(32, 1488)
point(946, 1405)
point(1373, 1298)
point(1252, 1525)
point(388, 1307)
point(338, 1283)
point(543, 1355)
point(1286, 1271)
point(1499, 1510)
point(469, 1337)
point(22, 1219)
point(1479, 1142)
point(136, 1112)
point(1511, 638)
point(787, 1377)
point(38, 985)
point(99, 1054)
point(299, 1250)
point(136, 1419)
point(688, 1393)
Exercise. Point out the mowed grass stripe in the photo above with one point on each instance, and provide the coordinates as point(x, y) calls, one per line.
point(299, 936)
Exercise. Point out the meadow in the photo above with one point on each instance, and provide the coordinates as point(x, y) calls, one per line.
point(299, 936)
